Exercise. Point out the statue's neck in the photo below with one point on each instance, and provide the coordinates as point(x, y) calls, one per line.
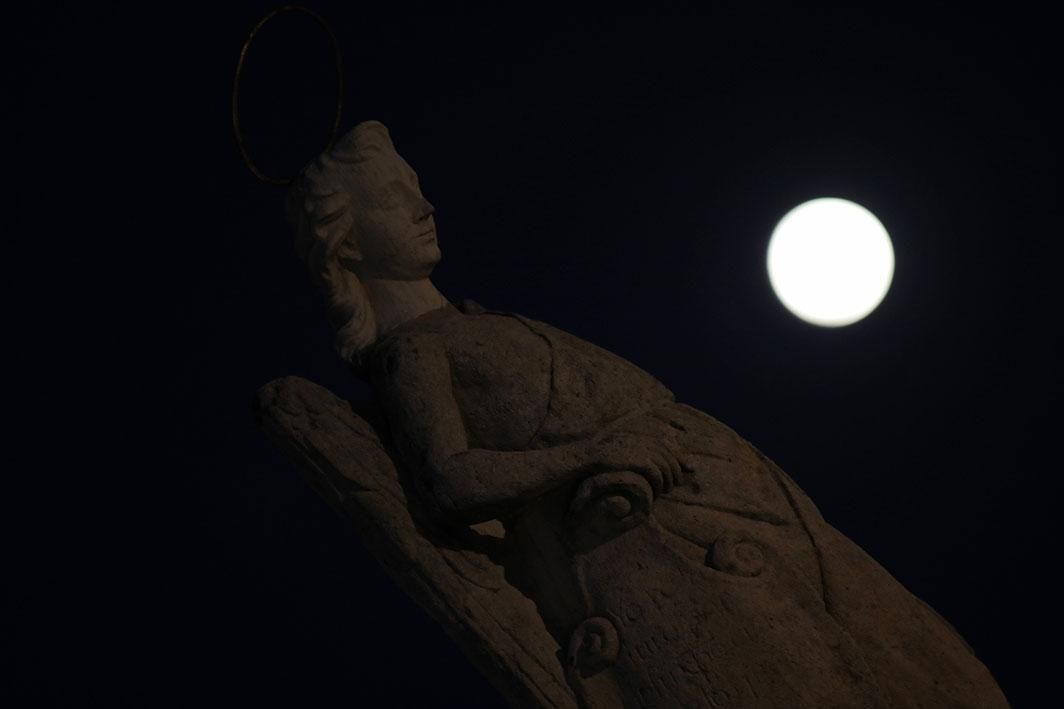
point(396, 302)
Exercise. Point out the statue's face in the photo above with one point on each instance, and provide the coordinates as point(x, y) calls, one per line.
point(394, 234)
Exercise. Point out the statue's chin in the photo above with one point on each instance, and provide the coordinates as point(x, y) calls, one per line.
point(409, 271)
point(434, 258)
point(416, 274)
point(423, 261)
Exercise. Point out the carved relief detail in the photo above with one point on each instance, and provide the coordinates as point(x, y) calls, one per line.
point(607, 504)
point(736, 554)
point(593, 646)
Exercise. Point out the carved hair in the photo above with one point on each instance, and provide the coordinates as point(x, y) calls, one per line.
point(318, 207)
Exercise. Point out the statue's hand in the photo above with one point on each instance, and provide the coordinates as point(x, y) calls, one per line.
point(630, 447)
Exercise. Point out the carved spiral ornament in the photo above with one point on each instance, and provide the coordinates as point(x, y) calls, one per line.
point(738, 555)
point(593, 646)
point(607, 504)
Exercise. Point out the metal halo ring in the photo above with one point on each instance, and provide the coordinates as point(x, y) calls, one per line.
point(236, 88)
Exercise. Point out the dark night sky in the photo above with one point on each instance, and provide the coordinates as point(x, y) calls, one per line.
point(615, 175)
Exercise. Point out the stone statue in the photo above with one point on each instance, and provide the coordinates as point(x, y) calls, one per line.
point(587, 539)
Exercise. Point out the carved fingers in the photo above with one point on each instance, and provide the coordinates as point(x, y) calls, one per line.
point(641, 451)
point(667, 442)
point(648, 458)
point(668, 462)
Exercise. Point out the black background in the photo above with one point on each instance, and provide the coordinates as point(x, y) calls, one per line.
point(615, 174)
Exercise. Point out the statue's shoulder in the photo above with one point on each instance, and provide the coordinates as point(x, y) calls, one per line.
point(448, 327)
point(469, 306)
point(589, 365)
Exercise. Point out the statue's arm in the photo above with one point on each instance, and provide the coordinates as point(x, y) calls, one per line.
point(468, 484)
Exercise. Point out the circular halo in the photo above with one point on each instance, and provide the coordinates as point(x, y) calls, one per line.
point(236, 88)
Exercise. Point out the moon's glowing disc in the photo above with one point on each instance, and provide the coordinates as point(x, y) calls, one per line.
point(830, 262)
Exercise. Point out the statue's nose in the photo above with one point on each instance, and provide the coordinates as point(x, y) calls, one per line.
point(424, 210)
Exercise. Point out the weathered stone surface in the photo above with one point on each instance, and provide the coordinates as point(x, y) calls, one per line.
point(452, 576)
point(586, 538)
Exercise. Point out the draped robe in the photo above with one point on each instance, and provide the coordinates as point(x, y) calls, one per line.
point(735, 592)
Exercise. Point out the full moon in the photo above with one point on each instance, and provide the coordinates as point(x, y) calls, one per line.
point(830, 262)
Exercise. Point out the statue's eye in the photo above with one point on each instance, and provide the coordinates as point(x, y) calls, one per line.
point(331, 217)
